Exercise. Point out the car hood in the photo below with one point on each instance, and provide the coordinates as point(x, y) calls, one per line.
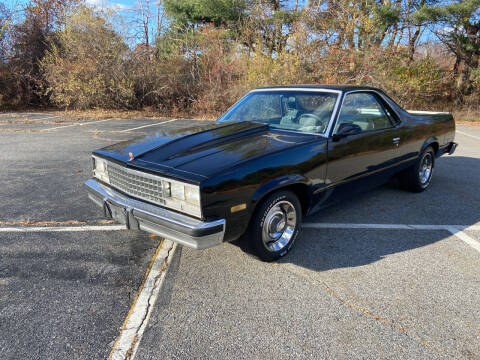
point(198, 153)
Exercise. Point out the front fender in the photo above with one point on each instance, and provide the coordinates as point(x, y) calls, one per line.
point(276, 184)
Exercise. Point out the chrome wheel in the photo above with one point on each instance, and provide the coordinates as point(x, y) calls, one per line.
point(425, 170)
point(279, 226)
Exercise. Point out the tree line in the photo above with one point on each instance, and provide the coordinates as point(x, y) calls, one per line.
point(199, 56)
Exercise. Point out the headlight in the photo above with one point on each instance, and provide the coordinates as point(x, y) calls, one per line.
point(177, 191)
point(192, 194)
point(100, 169)
point(182, 192)
point(182, 197)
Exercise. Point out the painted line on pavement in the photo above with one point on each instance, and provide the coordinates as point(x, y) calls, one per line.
point(131, 333)
point(27, 113)
point(464, 237)
point(456, 230)
point(62, 228)
point(466, 134)
point(388, 226)
point(18, 114)
point(354, 226)
point(47, 117)
point(467, 227)
point(144, 126)
point(79, 124)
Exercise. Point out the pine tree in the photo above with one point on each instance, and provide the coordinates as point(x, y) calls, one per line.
point(459, 23)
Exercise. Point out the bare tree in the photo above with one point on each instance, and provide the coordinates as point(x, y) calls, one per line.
point(5, 25)
point(145, 13)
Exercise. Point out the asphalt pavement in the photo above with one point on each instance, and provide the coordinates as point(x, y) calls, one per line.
point(343, 292)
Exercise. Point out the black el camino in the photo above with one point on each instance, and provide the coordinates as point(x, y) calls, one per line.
point(278, 154)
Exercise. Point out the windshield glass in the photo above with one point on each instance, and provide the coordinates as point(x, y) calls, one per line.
point(291, 110)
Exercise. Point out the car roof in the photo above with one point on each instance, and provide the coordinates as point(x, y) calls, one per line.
point(344, 88)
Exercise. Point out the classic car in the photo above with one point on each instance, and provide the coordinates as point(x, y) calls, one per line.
point(277, 155)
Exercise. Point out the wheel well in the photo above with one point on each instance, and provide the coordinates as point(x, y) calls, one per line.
point(435, 147)
point(301, 190)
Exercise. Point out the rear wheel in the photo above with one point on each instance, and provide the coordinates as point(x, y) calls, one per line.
point(418, 177)
point(275, 226)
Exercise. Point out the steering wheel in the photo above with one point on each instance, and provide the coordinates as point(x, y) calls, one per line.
point(317, 121)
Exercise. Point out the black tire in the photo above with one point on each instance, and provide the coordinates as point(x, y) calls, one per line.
point(412, 179)
point(273, 206)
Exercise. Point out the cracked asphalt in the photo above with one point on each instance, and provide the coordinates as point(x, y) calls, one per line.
point(341, 293)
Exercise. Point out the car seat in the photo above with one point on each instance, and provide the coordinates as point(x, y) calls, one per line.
point(291, 114)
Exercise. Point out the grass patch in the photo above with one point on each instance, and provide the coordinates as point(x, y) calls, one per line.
point(468, 117)
point(101, 114)
point(98, 114)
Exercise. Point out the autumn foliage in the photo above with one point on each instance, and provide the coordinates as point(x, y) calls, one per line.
point(197, 57)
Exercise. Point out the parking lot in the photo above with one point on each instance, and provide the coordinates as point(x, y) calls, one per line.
point(389, 274)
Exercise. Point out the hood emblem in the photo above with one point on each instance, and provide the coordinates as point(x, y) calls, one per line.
point(130, 155)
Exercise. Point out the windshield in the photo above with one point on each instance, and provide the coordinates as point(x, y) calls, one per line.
point(291, 110)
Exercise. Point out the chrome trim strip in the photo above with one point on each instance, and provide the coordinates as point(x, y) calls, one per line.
point(388, 100)
point(356, 91)
point(297, 89)
point(100, 193)
point(326, 134)
point(421, 112)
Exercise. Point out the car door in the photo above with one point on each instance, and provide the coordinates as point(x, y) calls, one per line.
point(370, 150)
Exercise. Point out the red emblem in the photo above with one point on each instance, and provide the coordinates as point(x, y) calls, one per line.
point(130, 155)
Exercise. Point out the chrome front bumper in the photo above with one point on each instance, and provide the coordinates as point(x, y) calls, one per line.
point(137, 214)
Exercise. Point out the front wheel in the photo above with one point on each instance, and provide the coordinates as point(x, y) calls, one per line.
point(275, 226)
point(418, 177)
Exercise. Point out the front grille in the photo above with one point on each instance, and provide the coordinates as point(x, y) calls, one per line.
point(136, 183)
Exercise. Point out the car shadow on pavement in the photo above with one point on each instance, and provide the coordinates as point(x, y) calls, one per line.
point(327, 249)
point(451, 200)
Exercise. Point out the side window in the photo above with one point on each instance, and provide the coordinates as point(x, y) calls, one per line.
point(363, 110)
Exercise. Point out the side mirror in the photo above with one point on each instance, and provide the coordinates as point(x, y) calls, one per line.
point(345, 130)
